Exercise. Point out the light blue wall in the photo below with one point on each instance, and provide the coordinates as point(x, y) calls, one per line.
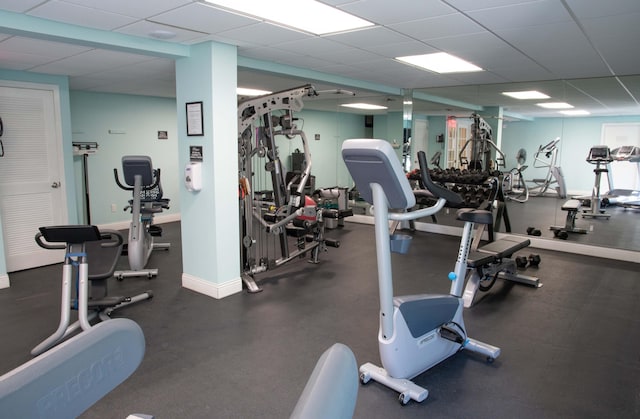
point(140, 118)
point(334, 128)
point(436, 125)
point(65, 120)
point(577, 136)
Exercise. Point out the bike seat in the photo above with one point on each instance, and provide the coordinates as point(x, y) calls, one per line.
point(475, 215)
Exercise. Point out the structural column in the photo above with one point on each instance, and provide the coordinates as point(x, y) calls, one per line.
point(210, 219)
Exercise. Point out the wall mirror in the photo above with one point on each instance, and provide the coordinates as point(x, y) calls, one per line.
point(549, 144)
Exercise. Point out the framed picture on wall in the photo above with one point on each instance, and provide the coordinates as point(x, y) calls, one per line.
point(195, 122)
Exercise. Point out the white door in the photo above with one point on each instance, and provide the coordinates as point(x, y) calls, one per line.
point(32, 193)
point(624, 174)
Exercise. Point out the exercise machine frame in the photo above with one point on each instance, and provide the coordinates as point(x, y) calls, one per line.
point(416, 331)
point(293, 214)
point(482, 146)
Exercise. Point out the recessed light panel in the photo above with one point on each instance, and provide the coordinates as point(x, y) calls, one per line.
point(244, 91)
point(555, 105)
point(526, 94)
point(305, 15)
point(366, 106)
point(575, 112)
point(440, 62)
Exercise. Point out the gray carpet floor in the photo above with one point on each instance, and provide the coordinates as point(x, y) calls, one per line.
point(569, 349)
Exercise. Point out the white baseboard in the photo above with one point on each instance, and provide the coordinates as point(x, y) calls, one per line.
point(124, 225)
point(4, 281)
point(209, 288)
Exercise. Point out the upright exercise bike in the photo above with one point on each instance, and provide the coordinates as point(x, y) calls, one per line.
point(600, 155)
point(84, 243)
point(146, 201)
point(416, 331)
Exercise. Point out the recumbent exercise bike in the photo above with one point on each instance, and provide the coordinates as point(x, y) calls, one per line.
point(147, 200)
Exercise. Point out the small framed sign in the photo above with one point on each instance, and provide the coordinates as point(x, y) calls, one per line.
point(195, 122)
point(195, 153)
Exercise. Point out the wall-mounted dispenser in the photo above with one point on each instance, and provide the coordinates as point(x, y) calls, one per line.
point(193, 176)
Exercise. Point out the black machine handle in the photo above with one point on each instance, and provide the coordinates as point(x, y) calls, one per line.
point(58, 237)
point(440, 192)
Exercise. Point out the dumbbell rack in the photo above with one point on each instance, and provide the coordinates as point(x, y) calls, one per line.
point(479, 189)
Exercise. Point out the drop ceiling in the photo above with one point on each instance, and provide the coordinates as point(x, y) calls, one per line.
point(577, 51)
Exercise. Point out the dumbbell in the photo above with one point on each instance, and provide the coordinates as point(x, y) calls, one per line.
point(532, 231)
point(561, 234)
point(534, 260)
point(521, 261)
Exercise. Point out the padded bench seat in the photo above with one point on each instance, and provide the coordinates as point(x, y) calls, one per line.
point(496, 250)
point(336, 213)
point(572, 205)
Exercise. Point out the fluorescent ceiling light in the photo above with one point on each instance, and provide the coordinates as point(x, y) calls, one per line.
point(576, 112)
point(306, 15)
point(440, 62)
point(555, 105)
point(244, 91)
point(526, 94)
point(367, 106)
point(407, 102)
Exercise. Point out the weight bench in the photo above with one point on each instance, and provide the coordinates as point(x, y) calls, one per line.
point(572, 207)
point(68, 379)
point(493, 260)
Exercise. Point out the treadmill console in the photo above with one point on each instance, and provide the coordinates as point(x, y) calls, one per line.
point(599, 154)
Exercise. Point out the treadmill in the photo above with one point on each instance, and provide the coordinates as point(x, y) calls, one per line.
point(628, 198)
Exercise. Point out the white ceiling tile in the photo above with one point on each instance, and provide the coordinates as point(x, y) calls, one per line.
point(80, 15)
point(202, 18)
point(585, 9)
point(516, 40)
point(522, 15)
point(614, 44)
point(145, 28)
point(438, 27)
point(15, 60)
point(263, 34)
point(379, 12)
point(378, 36)
point(400, 50)
point(47, 49)
point(268, 54)
point(548, 45)
point(316, 46)
point(90, 62)
point(140, 9)
point(18, 5)
point(468, 5)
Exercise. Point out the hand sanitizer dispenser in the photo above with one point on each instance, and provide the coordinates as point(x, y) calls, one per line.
point(193, 176)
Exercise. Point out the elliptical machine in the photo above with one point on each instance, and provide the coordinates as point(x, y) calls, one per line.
point(147, 200)
point(546, 158)
point(416, 331)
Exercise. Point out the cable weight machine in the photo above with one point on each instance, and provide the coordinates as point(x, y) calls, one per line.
point(269, 219)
